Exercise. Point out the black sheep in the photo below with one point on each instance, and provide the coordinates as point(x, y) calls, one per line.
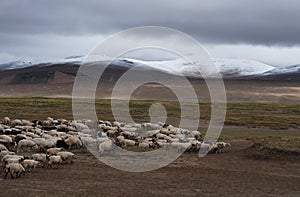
point(62, 144)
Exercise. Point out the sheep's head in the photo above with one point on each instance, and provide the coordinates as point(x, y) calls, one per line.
point(39, 164)
point(74, 156)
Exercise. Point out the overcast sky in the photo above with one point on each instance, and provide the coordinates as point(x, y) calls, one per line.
point(263, 30)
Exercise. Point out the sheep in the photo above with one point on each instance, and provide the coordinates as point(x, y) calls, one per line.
point(16, 122)
point(127, 143)
point(32, 135)
point(120, 139)
point(72, 132)
point(54, 160)
point(220, 146)
point(46, 144)
point(196, 134)
point(20, 157)
point(144, 145)
point(27, 144)
point(151, 126)
point(160, 136)
point(6, 138)
point(53, 151)
point(12, 159)
point(180, 146)
point(46, 136)
point(14, 168)
point(165, 131)
point(41, 157)
point(107, 145)
point(151, 133)
point(6, 121)
point(62, 144)
point(73, 141)
point(116, 124)
point(67, 156)
point(3, 153)
point(29, 164)
point(89, 141)
point(79, 126)
point(106, 128)
point(3, 148)
point(47, 123)
point(26, 123)
point(207, 147)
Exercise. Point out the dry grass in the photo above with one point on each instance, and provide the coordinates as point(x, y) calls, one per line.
point(252, 115)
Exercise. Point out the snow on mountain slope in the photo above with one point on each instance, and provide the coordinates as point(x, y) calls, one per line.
point(284, 70)
point(227, 67)
point(22, 64)
point(15, 65)
point(241, 67)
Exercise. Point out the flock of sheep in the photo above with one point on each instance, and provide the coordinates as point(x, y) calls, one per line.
point(26, 145)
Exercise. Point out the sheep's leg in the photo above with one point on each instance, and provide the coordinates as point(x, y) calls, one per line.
point(18, 174)
point(5, 175)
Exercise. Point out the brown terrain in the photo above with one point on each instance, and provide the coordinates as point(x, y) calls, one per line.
point(242, 170)
point(57, 81)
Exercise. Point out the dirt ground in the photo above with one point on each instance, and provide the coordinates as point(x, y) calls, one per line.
point(236, 172)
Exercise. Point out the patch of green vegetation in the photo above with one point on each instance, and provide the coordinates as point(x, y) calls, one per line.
point(252, 115)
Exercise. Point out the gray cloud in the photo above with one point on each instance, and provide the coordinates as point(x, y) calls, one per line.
point(59, 28)
point(265, 22)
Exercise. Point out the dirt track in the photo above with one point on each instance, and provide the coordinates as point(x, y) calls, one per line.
point(233, 173)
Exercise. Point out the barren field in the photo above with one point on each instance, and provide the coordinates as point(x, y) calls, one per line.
point(242, 170)
point(264, 159)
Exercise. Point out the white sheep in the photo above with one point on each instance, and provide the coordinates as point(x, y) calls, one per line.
point(46, 144)
point(144, 145)
point(14, 169)
point(73, 141)
point(6, 121)
point(26, 144)
point(160, 136)
point(3, 153)
point(196, 134)
point(16, 122)
point(54, 160)
point(41, 157)
point(32, 135)
point(127, 142)
point(150, 133)
point(67, 156)
point(6, 138)
point(6, 157)
point(107, 145)
point(26, 123)
point(53, 151)
point(47, 123)
point(29, 164)
point(151, 126)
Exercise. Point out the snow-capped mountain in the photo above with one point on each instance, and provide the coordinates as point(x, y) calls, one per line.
point(23, 64)
point(229, 68)
point(241, 67)
point(283, 70)
point(15, 65)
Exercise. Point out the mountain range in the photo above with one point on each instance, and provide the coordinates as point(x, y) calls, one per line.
point(237, 69)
